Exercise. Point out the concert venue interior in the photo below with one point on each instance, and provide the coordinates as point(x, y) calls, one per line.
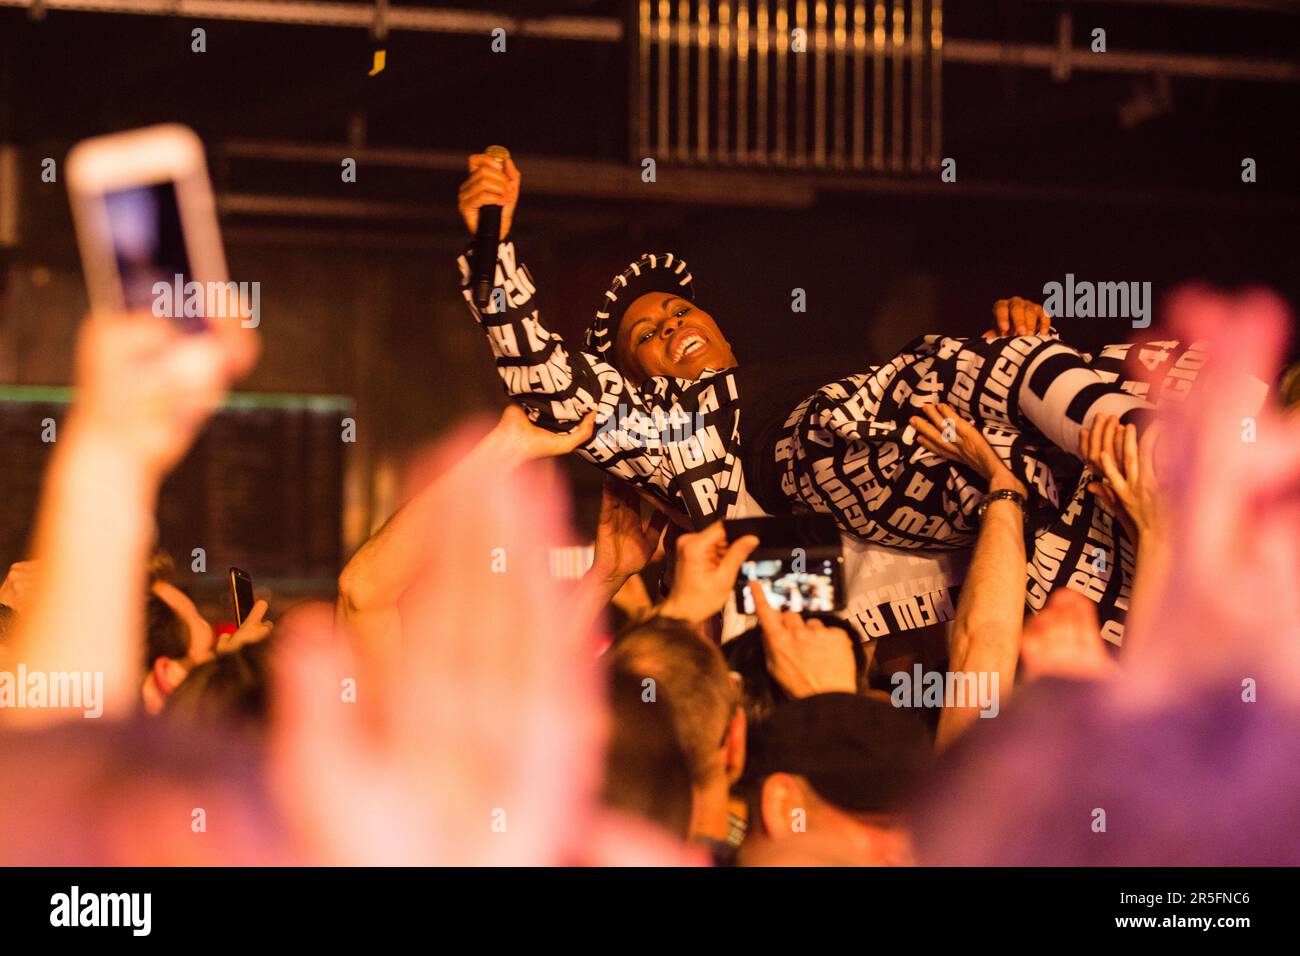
point(843, 176)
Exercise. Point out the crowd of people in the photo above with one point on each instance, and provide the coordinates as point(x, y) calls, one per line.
point(460, 704)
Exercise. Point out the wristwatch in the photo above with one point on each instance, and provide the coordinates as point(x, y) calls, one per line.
point(1004, 493)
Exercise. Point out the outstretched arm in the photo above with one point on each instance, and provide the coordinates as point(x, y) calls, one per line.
point(384, 567)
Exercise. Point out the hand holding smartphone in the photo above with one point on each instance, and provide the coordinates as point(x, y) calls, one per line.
point(147, 225)
point(241, 594)
point(799, 564)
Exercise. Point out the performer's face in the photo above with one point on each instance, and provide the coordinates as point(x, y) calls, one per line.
point(661, 334)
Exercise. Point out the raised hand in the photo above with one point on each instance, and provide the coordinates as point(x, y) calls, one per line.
point(1225, 606)
point(705, 573)
point(1132, 490)
point(1064, 640)
point(488, 185)
point(521, 441)
point(624, 543)
point(805, 656)
point(942, 431)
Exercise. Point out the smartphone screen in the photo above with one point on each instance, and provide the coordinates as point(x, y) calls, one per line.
point(799, 563)
point(144, 224)
point(814, 588)
point(241, 590)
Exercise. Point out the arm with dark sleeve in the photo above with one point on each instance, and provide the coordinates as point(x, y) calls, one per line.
point(557, 387)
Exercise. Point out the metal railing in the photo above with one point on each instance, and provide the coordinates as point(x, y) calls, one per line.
point(812, 84)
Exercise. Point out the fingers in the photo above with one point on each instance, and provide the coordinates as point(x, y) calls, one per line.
point(735, 556)
point(940, 430)
point(1090, 441)
point(768, 619)
point(943, 419)
point(792, 622)
point(484, 161)
point(1131, 466)
point(609, 501)
point(705, 541)
point(658, 521)
point(1103, 491)
point(1147, 456)
point(1111, 470)
point(257, 613)
point(579, 434)
point(1001, 317)
point(1017, 316)
point(473, 195)
point(928, 437)
point(1040, 323)
point(1107, 495)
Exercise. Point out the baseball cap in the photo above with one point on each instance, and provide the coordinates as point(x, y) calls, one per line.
point(861, 754)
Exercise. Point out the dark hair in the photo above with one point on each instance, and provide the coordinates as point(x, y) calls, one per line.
point(161, 567)
point(8, 619)
point(693, 677)
point(165, 634)
point(232, 689)
point(760, 692)
point(645, 770)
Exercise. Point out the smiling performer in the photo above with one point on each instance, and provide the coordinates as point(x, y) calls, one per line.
point(682, 420)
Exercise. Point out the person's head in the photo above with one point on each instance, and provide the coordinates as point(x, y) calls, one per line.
point(645, 771)
point(647, 323)
point(692, 683)
point(177, 639)
point(840, 768)
point(663, 334)
point(230, 690)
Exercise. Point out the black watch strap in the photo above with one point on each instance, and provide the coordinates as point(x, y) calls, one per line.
point(1007, 494)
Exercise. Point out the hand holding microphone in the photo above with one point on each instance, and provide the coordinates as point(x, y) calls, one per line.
point(487, 204)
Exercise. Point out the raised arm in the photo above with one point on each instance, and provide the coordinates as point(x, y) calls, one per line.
point(383, 568)
point(984, 636)
point(144, 389)
point(554, 385)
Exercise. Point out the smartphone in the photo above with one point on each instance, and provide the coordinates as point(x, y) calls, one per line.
point(799, 563)
point(147, 223)
point(241, 593)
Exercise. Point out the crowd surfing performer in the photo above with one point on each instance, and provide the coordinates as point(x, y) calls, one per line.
point(680, 418)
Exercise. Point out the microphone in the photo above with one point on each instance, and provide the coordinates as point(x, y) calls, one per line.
point(486, 238)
